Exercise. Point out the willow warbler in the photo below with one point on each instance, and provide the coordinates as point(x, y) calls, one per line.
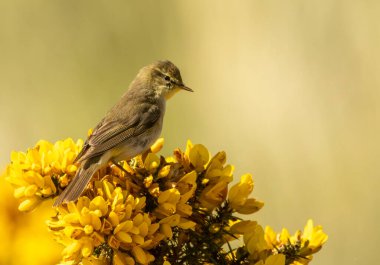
point(130, 127)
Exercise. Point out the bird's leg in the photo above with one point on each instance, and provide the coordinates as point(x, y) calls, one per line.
point(120, 166)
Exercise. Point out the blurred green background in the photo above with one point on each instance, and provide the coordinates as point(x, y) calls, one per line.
point(289, 89)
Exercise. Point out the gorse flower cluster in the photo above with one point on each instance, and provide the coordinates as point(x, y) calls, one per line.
point(155, 210)
point(42, 170)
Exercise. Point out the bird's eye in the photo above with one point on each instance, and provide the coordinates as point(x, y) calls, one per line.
point(167, 78)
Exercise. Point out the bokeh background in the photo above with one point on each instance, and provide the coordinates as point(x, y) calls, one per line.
point(289, 89)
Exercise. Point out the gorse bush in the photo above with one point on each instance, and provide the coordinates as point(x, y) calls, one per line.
point(152, 209)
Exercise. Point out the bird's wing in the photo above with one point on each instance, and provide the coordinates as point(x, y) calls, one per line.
point(110, 133)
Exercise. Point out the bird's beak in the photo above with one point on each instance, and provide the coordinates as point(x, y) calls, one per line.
point(182, 86)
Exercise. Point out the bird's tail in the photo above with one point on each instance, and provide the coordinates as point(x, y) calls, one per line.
point(77, 185)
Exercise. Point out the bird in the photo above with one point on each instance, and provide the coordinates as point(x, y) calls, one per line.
point(129, 128)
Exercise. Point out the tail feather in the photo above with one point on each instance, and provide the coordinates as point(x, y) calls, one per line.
point(77, 185)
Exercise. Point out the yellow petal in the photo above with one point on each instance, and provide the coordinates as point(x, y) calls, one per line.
point(314, 235)
point(186, 224)
point(19, 192)
point(172, 220)
point(72, 207)
point(255, 241)
point(71, 169)
point(84, 218)
point(99, 203)
point(140, 203)
point(29, 204)
point(73, 218)
point(184, 209)
point(164, 196)
point(238, 193)
point(189, 146)
point(148, 181)
point(270, 236)
point(75, 246)
point(113, 218)
point(157, 146)
point(31, 190)
point(95, 222)
point(243, 227)
point(34, 178)
point(153, 228)
point(213, 195)
point(168, 207)
point(125, 226)
point(284, 236)
point(108, 188)
point(138, 239)
point(217, 161)
point(87, 248)
point(139, 255)
point(170, 159)
point(149, 257)
point(143, 229)
point(50, 184)
point(151, 162)
point(199, 156)
point(138, 219)
point(124, 237)
point(97, 238)
point(250, 206)
point(88, 229)
point(171, 195)
point(187, 185)
point(113, 242)
point(122, 259)
point(164, 172)
point(166, 230)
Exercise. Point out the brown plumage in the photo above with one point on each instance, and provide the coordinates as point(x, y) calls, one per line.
point(130, 127)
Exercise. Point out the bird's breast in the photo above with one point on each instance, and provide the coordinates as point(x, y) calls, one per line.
point(140, 143)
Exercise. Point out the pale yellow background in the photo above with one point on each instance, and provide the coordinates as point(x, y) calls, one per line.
point(290, 89)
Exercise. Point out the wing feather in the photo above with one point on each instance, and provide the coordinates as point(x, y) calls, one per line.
point(112, 132)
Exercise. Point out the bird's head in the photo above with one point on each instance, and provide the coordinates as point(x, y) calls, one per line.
point(166, 79)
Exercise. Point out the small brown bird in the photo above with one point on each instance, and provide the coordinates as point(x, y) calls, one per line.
point(130, 127)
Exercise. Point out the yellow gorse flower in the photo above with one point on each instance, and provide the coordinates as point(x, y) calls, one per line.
point(153, 209)
point(34, 173)
point(216, 180)
point(303, 244)
point(238, 196)
point(116, 219)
